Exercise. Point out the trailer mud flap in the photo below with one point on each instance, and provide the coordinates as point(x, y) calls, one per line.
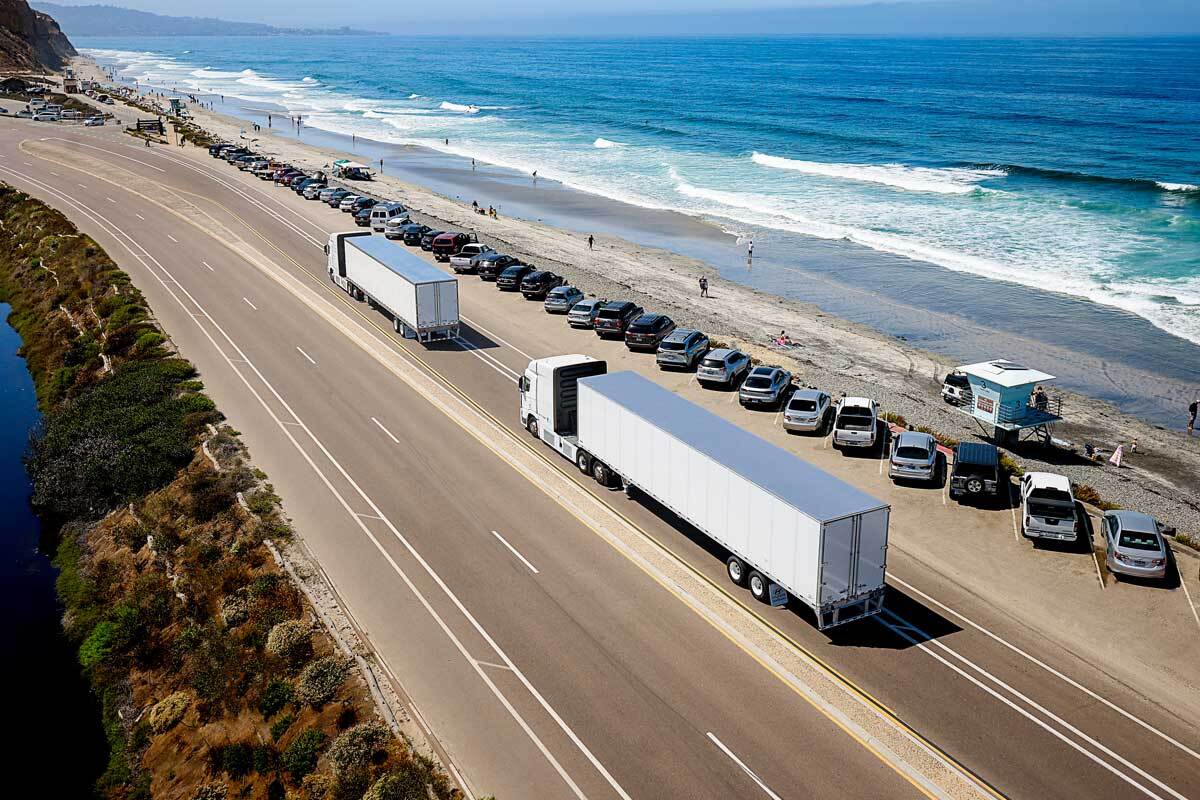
point(777, 595)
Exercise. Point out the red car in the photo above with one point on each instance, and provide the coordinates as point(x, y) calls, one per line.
point(449, 243)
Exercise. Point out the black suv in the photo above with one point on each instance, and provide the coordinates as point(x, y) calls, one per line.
point(976, 471)
point(427, 240)
point(614, 317)
point(492, 264)
point(412, 232)
point(537, 284)
point(647, 331)
point(510, 279)
point(362, 217)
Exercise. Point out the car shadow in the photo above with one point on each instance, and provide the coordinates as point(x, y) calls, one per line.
point(903, 623)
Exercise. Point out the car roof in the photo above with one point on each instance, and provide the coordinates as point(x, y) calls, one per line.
point(1049, 480)
point(680, 334)
point(565, 288)
point(721, 353)
point(977, 453)
point(915, 439)
point(650, 316)
point(1134, 521)
point(617, 304)
point(807, 394)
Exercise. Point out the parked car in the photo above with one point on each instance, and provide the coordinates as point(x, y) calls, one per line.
point(360, 204)
point(1134, 545)
point(428, 238)
point(1047, 507)
point(413, 232)
point(976, 470)
point(510, 279)
point(394, 228)
point(450, 243)
point(647, 331)
point(955, 388)
point(329, 193)
point(765, 386)
point(288, 177)
point(215, 150)
point(856, 423)
point(45, 116)
point(91, 122)
point(382, 212)
point(313, 190)
point(466, 259)
point(25, 113)
point(300, 182)
point(722, 366)
point(583, 314)
point(915, 457)
point(808, 411)
point(537, 284)
point(346, 204)
point(362, 217)
point(560, 299)
point(614, 317)
point(681, 348)
point(492, 264)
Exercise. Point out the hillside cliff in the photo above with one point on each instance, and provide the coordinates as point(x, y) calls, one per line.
point(31, 40)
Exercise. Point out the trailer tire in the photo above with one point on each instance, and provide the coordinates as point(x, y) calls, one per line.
point(583, 461)
point(759, 586)
point(602, 474)
point(531, 425)
point(736, 569)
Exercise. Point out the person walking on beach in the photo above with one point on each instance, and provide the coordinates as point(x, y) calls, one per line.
point(750, 251)
point(591, 241)
point(472, 165)
point(1192, 416)
point(704, 287)
point(535, 176)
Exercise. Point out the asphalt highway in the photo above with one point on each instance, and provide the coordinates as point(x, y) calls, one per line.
point(546, 662)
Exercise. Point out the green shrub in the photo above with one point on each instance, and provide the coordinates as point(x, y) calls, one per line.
point(98, 645)
point(320, 680)
point(277, 695)
point(300, 757)
point(291, 642)
point(940, 438)
point(894, 418)
point(397, 786)
point(1010, 466)
point(280, 726)
point(356, 746)
point(1087, 494)
point(236, 759)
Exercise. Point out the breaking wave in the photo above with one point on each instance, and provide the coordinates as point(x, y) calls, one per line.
point(952, 180)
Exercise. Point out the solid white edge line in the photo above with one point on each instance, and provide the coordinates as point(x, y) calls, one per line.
point(306, 355)
point(391, 435)
point(113, 230)
point(516, 553)
point(1187, 594)
point(761, 784)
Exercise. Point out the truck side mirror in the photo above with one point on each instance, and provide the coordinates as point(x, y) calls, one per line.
point(326, 249)
point(523, 384)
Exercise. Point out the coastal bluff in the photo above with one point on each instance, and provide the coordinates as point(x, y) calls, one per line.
point(31, 40)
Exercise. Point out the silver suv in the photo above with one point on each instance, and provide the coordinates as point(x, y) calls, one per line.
point(583, 314)
point(914, 457)
point(682, 348)
point(808, 411)
point(561, 299)
point(723, 366)
point(765, 386)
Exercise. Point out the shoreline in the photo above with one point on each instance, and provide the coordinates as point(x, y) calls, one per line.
point(837, 354)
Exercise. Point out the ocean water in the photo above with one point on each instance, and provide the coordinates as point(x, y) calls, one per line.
point(1071, 166)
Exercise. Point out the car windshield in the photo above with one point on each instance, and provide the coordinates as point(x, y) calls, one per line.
point(855, 419)
point(669, 345)
point(1139, 540)
point(757, 382)
point(1050, 509)
point(803, 405)
point(912, 453)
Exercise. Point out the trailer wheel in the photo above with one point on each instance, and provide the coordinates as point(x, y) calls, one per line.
point(759, 586)
point(736, 569)
point(602, 473)
point(583, 461)
point(531, 425)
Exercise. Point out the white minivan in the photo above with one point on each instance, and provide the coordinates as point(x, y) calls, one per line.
point(382, 212)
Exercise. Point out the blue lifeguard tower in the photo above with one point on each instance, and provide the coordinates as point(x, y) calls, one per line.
point(1011, 399)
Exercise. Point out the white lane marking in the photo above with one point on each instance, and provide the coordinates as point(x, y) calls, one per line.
point(487, 359)
point(172, 238)
point(924, 644)
point(306, 355)
point(490, 664)
point(516, 553)
point(761, 784)
point(1187, 594)
point(139, 216)
point(250, 304)
point(101, 149)
point(55, 174)
point(1034, 660)
point(477, 326)
point(81, 186)
point(391, 435)
point(371, 516)
point(210, 269)
point(109, 199)
point(114, 231)
point(27, 163)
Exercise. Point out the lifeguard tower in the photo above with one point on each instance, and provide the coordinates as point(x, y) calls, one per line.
point(1011, 399)
point(178, 108)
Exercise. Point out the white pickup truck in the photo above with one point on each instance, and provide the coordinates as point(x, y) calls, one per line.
point(465, 260)
point(1048, 507)
point(855, 423)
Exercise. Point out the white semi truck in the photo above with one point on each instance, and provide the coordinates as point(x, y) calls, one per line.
point(789, 528)
point(422, 300)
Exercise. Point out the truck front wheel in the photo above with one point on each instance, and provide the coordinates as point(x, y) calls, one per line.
point(736, 569)
point(759, 586)
point(531, 425)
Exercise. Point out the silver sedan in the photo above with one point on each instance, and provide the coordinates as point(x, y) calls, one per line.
point(1134, 545)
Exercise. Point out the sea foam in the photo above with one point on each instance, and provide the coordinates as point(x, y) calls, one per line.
point(953, 180)
point(606, 144)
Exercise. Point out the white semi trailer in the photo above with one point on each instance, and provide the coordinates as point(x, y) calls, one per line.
point(422, 300)
point(789, 527)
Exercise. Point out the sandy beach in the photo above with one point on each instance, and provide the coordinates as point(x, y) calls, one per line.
point(833, 354)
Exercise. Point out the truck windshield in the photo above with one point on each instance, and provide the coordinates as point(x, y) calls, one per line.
point(855, 419)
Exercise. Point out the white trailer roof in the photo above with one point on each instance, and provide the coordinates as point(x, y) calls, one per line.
point(811, 491)
point(398, 260)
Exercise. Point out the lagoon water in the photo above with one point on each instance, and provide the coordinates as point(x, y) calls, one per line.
point(57, 735)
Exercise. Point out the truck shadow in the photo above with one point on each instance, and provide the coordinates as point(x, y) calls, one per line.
point(903, 623)
point(467, 335)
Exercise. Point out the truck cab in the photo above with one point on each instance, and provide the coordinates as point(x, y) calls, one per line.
point(549, 393)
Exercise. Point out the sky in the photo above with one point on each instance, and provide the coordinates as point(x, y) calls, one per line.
point(704, 17)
